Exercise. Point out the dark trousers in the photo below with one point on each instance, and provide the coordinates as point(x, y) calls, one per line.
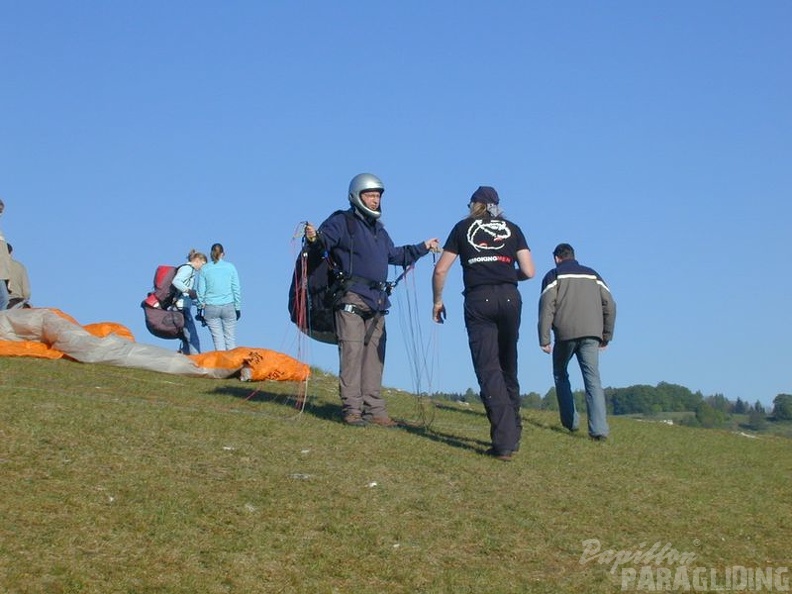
point(492, 319)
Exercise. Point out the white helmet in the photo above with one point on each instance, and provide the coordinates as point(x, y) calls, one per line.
point(365, 182)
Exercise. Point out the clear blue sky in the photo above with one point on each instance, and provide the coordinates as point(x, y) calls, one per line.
point(655, 137)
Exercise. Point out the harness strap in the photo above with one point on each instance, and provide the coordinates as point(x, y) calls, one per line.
point(366, 315)
point(350, 308)
point(386, 286)
point(348, 279)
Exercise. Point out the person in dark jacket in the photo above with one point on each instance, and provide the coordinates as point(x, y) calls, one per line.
point(577, 306)
point(356, 240)
point(495, 256)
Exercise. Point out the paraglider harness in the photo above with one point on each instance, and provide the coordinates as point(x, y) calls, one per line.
point(163, 316)
point(325, 283)
point(344, 280)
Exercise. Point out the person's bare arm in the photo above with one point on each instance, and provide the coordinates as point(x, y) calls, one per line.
point(526, 264)
point(438, 282)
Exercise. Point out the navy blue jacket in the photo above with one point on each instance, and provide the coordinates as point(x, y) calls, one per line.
point(365, 254)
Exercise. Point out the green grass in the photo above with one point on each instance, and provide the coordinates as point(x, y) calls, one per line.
point(126, 481)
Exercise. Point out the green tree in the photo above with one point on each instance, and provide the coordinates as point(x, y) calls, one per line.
point(694, 400)
point(609, 394)
point(719, 402)
point(782, 407)
point(634, 399)
point(550, 401)
point(708, 416)
point(469, 396)
point(757, 420)
point(531, 400)
point(580, 399)
point(673, 397)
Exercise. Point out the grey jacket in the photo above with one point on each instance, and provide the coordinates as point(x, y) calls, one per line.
point(575, 303)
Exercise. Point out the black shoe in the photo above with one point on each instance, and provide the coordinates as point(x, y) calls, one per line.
point(504, 456)
point(598, 437)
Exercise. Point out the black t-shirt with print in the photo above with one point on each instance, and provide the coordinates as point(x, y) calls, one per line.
point(487, 249)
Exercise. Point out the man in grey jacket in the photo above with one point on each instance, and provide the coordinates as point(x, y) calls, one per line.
point(577, 306)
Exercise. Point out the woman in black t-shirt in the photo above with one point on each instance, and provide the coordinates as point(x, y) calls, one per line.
point(494, 256)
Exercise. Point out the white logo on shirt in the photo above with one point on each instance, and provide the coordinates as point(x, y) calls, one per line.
point(488, 235)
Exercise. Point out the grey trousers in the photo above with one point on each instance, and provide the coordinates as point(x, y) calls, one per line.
point(360, 365)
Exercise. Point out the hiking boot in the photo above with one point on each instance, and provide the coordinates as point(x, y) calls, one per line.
point(599, 438)
point(498, 455)
point(384, 422)
point(355, 420)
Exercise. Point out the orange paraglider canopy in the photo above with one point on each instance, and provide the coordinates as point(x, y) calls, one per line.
point(53, 334)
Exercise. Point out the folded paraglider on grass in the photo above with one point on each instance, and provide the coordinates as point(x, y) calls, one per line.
point(53, 334)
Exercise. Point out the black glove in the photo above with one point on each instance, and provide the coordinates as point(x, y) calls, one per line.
point(239, 314)
point(192, 294)
point(200, 317)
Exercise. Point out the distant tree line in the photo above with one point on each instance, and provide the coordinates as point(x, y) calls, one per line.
point(708, 411)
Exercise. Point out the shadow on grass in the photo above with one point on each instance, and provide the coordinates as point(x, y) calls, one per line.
point(251, 394)
point(332, 412)
point(456, 441)
point(329, 412)
point(557, 428)
point(458, 409)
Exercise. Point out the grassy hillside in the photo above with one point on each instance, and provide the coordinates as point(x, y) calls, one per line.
point(115, 480)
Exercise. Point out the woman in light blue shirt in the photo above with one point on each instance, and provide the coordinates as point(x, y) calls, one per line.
point(220, 297)
point(184, 284)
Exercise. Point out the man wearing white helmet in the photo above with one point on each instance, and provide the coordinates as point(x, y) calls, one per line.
point(358, 243)
point(5, 267)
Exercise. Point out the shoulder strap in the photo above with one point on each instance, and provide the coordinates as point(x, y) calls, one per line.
point(176, 272)
point(350, 219)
